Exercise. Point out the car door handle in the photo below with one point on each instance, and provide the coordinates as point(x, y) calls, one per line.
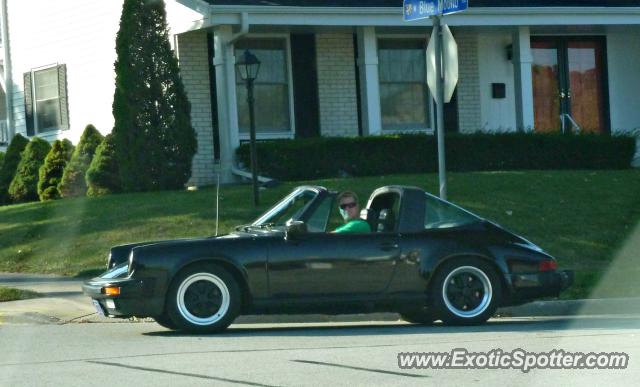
point(386, 246)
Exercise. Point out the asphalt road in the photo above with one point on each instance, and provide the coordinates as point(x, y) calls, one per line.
point(354, 354)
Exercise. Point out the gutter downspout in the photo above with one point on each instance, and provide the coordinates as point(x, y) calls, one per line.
point(244, 28)
point(7, 69)
point(266, 181)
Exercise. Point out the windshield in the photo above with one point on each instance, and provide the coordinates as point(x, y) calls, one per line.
point(441, 214)
point(291, 207)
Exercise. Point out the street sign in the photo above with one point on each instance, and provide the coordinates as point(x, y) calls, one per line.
point(450, 60)
point(420, 9)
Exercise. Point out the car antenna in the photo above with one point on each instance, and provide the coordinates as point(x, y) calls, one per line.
point(217, 201)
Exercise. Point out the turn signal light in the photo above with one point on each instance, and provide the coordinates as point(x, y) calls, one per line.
point(548, 265)
point(111, 291)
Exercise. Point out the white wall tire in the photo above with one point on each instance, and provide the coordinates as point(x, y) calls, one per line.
point(204, 298)
point(465, 291)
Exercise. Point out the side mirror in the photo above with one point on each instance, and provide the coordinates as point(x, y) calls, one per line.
point(294, 229)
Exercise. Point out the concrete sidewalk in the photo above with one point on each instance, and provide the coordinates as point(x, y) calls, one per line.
point(63, 302)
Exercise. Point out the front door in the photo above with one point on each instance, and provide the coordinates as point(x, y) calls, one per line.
point(330, 264)
point(569, 84)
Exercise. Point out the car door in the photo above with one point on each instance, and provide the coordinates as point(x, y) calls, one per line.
point(330, 264)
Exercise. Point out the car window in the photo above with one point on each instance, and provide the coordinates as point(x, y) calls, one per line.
point(441, 214)
point(319, 219)
point(288, 208)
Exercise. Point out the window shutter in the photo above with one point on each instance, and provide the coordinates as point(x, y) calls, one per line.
point(62, 93)
point(28, 104)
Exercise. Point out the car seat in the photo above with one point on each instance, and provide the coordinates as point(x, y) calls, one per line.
point(386, 221)
point(370, 216)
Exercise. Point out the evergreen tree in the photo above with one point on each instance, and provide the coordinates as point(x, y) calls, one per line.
point(102, 176)
point(24, 186)
point(1, 159)
point(73, 179)
point(51, 171)
point(154, 139)
point(11, 161)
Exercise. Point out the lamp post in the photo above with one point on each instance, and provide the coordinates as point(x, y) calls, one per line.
point(248, 66)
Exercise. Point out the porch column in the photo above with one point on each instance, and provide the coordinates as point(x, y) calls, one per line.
point(522, 60)
point(369, 82)
point(224, 62)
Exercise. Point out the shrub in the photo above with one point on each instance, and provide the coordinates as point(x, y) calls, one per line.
point(1, 159)
point(51, 171)
point(73, 181)
point(24, 186)
point(102, 176)
point(8, 169)
point(417, 153)
point(155, 141)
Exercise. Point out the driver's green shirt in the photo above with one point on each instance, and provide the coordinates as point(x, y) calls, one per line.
point(355, 225)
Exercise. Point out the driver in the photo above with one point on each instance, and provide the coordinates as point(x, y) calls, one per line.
point(350, 211)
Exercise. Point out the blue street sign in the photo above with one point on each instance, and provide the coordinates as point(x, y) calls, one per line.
point(420, 9)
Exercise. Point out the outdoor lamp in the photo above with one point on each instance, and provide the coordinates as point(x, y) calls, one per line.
point(248, 66)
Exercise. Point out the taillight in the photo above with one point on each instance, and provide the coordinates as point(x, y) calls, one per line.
point(548, 266)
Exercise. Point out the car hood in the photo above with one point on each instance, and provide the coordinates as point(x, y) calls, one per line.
point(120, 254)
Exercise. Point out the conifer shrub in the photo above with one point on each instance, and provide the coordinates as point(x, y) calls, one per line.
point(24, 186)
point(73, 181)
point(102, 176)
point(155, 141)
point(51, 171)
point(9, 166)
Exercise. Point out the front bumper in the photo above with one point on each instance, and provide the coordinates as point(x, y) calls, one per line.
point(527, 286)
point(136, 297)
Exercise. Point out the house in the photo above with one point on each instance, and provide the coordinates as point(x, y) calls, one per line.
point(331, 68)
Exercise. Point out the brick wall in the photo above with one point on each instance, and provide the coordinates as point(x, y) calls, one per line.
point(337, 85)
point(194, 68)
point(468, 83)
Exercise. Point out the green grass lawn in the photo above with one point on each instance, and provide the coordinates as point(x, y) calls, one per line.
point(10, 294)
point(589, 220)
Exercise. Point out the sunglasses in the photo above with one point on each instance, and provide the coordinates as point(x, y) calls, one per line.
point(344, 206)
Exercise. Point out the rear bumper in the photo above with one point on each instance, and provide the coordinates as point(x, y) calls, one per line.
point(136, 297)
point(527, 286)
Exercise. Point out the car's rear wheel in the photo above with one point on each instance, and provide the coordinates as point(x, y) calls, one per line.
point(465, 291)
point(203, 298)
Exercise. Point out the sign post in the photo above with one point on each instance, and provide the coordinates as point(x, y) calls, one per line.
point(420, 9)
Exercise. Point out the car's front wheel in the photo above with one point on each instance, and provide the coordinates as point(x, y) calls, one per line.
point(465, 291)
point(165, 321)
point(419, 316)
point(203, 298)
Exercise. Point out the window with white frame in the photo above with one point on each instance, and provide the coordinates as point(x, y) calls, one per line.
point(271, 88)
point(45, 95)
point(403, 88)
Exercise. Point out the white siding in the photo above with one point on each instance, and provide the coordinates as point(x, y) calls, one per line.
point(82, 35)
point(496, 114)
point(623, 49)
point(78, 33)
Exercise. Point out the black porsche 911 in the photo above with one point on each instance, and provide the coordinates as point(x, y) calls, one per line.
point(425, 258)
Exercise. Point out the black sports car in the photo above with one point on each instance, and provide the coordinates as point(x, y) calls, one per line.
point(426, 259)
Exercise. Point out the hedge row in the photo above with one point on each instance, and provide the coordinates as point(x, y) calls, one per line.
point(417, 153)
point(33, 170)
